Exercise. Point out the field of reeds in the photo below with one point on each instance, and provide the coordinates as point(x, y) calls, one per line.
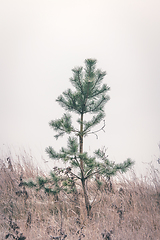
point(122, 209)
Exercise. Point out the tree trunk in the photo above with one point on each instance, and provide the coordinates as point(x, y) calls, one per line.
point(87, 204)
point(81, 143)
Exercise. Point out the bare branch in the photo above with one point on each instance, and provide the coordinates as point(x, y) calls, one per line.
point(75, 175)
point(92, 174)
point(101, 129)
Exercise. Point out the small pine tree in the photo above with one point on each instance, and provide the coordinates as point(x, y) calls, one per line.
point(90, 96)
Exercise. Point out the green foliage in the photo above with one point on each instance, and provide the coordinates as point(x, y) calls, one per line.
point(93, 122)
point(98, 183)
point(108, 168)
point(72, 145)
point(58, 181)
point(62, 126)
point(89, 96)
point(30, 184)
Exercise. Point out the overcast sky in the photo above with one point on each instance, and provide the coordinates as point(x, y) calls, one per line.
point(41, 41)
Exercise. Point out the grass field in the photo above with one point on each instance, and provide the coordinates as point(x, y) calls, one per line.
point(125, 210)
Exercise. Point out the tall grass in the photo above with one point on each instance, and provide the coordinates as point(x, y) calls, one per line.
point(123, 210)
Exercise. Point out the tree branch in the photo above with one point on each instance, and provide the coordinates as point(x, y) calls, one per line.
point(80, 83)
point(92, 174)
point(75, 175)
point(102, 128)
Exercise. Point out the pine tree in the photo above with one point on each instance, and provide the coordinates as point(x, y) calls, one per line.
point(90, 96)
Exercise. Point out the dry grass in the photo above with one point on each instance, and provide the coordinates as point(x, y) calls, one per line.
point(130, 210)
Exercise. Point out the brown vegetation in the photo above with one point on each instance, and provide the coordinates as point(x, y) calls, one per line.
point(123, 210)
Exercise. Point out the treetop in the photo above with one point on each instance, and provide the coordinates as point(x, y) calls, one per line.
point(89, 95)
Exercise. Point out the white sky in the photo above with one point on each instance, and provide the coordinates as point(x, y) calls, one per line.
point(41, 41)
